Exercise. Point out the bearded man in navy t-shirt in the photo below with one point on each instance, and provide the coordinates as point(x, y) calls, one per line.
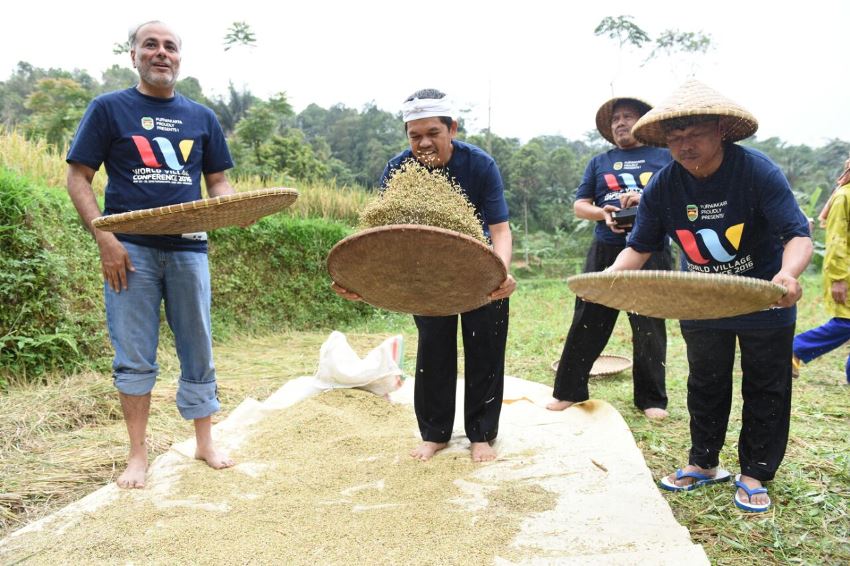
point(731, 211)
point(612, 181)
point(155, 145)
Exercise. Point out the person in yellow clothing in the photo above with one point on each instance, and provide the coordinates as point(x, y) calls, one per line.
point(836, 280)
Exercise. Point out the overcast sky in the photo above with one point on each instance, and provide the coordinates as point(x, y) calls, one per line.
point(536, 64)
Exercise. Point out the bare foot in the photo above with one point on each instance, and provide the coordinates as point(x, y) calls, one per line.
point(427, 449)
point(558, 405)
point(684, 482)
point(656, 413)
point(752, 483)
point(133, 476)
point(214, 459)
point(482, 452)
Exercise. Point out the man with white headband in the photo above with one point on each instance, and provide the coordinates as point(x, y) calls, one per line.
point(431, 127)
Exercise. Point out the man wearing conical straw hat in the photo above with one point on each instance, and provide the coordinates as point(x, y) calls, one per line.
point(612, 181)
point(431, 126)
point(731, 211)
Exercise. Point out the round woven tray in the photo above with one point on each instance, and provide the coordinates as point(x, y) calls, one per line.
point(200, 215)
point(417, 269)
point(605, 365)
point(676, 294)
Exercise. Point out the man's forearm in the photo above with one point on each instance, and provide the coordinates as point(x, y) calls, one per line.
point(82, 195)
point(629, 259)
point(796, 256)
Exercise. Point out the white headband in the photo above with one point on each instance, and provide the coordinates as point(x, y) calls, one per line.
point(419, 108)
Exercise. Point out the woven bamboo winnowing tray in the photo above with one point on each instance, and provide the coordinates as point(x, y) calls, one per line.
point(238, 209)
point(417, 269)
point(676, 294)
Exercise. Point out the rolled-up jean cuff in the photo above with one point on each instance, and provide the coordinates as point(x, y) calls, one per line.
point(197, 400)
point(135, 384)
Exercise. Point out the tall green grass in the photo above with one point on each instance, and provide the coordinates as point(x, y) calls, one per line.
point(315, 200)
point(36, 160)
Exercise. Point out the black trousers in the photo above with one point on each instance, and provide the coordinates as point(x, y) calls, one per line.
point(485, 332)
point(591, 328)
point(765, 387)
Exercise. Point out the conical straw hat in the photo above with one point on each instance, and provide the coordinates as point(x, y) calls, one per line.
point(695, 99)
point(422, 270)
point(238, 209)
point(676, 294)
point(603, 115)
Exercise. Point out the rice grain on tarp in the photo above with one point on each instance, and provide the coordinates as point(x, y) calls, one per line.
point(326, 481)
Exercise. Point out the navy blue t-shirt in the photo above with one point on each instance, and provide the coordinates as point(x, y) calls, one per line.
point(735, 222)
point(155, 151)
point(478, 176)
point(610, 174)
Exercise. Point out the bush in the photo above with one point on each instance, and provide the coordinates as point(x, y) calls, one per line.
point(273, 275)
point(50, 316)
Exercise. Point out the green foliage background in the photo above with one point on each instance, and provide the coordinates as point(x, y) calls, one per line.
point(50, 313)
point(272, 276)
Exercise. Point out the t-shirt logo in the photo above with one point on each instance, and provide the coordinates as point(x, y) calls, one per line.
point(147, 122)
point(711, 240)
point(618, 165)
point(693, 212)
point(169, 155)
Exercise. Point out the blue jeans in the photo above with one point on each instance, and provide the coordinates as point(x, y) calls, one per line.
point(182, 280)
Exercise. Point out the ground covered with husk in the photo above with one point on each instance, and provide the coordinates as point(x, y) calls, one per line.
point(325, 481)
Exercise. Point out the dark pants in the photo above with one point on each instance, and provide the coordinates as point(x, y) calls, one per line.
point(765, 388)
point(591, 328)
point(485, 332)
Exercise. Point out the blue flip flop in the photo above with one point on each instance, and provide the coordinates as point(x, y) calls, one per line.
point(720, 475)
point(748, 506)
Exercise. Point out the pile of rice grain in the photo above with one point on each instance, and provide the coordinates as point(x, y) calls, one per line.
point(417, 195)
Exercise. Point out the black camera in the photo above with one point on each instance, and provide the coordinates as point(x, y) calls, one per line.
point(625, 218)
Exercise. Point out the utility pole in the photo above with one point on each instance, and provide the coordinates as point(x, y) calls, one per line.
point(489, 107)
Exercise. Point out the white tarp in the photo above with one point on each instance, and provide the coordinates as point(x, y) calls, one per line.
point(608, 508)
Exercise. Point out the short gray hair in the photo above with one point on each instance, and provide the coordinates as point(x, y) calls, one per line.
point(135, 32)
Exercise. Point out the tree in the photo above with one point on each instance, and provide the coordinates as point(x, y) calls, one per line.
point(57, 106)
point(623, 30)
point(256, 127)
point(232, 110)
point(121, 47)
point(669, 42)
point(117, 77)
point(239, 33)
point(290, 154)
point(528, 170)
point(190, 87)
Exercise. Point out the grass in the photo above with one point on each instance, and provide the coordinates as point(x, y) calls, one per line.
point(66, 438)
point(39, 162)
